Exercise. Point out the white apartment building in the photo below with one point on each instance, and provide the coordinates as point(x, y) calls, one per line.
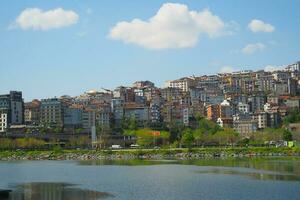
point(3, 121)
point(184, 83)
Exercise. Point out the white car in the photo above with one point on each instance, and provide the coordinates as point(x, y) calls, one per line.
point(134, 146)
point(116, 146)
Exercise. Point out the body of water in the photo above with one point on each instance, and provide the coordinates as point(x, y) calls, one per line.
point(257, 178)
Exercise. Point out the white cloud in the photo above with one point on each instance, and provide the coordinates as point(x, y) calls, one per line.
point(173, 26)
point(252, 48)
point(37, 19)
point(259, 26)
point(226, 69)
point(271, 68)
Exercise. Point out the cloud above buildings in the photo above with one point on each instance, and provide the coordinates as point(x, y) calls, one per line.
point(37, 19)
point(253, 48)
point(173, 26)
point(259, 26)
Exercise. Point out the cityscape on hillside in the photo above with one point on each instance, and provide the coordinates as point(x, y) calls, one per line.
point(149, 100)
point(246, 101)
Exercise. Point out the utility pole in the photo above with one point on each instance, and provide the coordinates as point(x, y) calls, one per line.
point(94, 136)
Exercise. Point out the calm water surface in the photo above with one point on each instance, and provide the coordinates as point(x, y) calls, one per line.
point(259, 178)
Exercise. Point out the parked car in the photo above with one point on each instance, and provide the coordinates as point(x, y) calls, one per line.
point(134, 146)
point(116, 146)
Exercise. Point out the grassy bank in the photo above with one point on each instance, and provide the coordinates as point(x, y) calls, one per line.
point(60, 154)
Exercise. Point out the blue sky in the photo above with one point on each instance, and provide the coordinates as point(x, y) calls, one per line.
point(57, 56)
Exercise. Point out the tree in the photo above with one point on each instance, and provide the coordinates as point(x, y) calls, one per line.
point(293, 116)
point(226, 136)
point(257, 139)
point(6, 143)
point(188, 138)
point(128, 132)
point(45, 128)
point(272, 134)
point(129, 126)
point(287, 135)
point(132, 124)
point(29, 143)
point(208, 126)
point(28, 130)
point(79, 130)
point(175, 130)
point(57, 130)
point(199, 136)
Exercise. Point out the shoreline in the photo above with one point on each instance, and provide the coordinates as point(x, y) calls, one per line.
point(126, 154)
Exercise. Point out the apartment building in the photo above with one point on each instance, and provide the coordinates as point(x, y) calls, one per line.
point(11, 110)
point(52, 112)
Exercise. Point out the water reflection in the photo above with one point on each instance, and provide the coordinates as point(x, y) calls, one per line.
point(275, 168)
point(254, 174)
point(129, 162)
point(53, 191)
point(279, 165)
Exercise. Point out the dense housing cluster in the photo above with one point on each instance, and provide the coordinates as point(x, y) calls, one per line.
point(245, 101)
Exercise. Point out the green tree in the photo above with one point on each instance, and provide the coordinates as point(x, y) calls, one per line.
point(129, 126)
point(6, 143)
point(188, 138)
point(293, 116)
point(132, 123)
point(79, 130)
point(226, 137)
point(199, 136)
point(28, 131)
point(287, 135)
point(57, 130)
point(175, 130)
point(272, 134)
point(208, 126)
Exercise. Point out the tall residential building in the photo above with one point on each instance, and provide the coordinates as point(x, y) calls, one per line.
point(11, 110)
point(138, 111)
point(103, 115)
point(294, 67)
point(244, 124)
point(256, 102)
point(225, 109)
point(3, 120)
point(174, 112)
point(52, 112)
point(117, 109)
point(72, 117)
point(88, 119)
point(32, 112)
point(264, 81)
point(155, 114)
point(213, 112)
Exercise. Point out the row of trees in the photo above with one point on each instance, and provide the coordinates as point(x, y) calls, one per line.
point(33, 143)
point(203, 133)
point(21, 143)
